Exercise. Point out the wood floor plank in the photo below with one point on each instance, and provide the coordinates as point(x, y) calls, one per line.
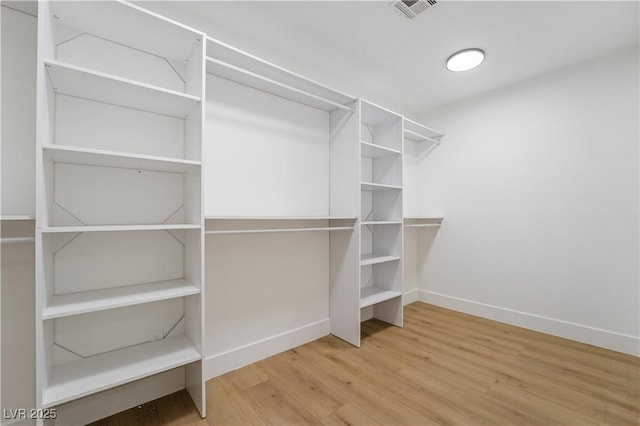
point(443, 367)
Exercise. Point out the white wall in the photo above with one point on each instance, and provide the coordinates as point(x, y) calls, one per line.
point(18, 113)
point(17, 184)
point(538, 183)
point(264, 156)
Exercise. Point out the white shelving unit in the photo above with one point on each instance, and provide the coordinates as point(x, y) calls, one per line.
point(119, 217)
point(366, 266)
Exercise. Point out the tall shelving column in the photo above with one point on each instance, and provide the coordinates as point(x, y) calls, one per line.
point(366, 180)
point(119, 215)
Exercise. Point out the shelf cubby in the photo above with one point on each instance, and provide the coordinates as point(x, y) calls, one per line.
point(372, 259)
point(77, 379)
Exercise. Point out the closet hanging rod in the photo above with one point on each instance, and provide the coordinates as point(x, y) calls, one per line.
point(19, 240)
point(278, 230)
point(421, 137)
point(277, 84)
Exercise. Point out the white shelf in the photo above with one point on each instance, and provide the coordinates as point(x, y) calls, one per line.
point(372, 259)
point(17, 217)
point(423, 225)
point(89, 84)
point(418, 132)
point(372, 295)
point(128, 24)
point(96, 157)
point(266, 84)
point(424, 218)
point(375, 114)
point(277, 230)
point(97, 373)
point(370, 150)
point(17, 240)
point(98, 300)
point(381, 222)
point(369, 186)
point(279, 218)
point(115, 228)
point(242, 67)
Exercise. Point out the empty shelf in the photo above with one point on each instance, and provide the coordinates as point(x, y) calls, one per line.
point(369, 186)
point(98, 300)
point(371, 259)
point(269, 85)
point(277, 230)
point(381, 222)
point(372, 295)
point(96, 157)
point(252, 65)
point(418, 132)
point(370, 150)
point(423, 225)
point(114, 228)
point(88, 84)
point(84, 377)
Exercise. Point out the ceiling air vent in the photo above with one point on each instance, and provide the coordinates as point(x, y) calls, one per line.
point(412, 8)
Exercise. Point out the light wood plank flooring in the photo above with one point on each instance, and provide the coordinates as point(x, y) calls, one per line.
point(443, 367)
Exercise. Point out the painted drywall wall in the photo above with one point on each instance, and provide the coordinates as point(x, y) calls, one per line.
point(265, 156)
point(17, 183)
point(18, 113)
point(538, 184)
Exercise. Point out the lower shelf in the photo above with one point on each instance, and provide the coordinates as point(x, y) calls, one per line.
point(101, 372)
point(372, 295)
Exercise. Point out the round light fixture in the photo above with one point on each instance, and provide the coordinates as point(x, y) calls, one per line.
point(465, 60)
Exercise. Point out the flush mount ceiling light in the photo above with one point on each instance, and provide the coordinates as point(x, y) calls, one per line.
point(465, 60)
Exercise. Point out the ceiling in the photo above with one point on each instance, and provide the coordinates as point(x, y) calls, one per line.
point(402, 60)
point(367, 48)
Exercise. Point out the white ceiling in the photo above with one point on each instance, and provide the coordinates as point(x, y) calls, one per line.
point(367, 48)
point(403, 59)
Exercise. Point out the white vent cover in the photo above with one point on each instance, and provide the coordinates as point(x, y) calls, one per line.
point(412, 8)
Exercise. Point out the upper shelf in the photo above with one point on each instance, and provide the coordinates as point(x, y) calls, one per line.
point(419, 133)
point(96, 157)
point(373, 114)
point(89, 84)
point(234, 64)
point(128, 24)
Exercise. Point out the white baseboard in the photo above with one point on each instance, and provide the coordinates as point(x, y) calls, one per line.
point(217, 364)
point(568, 330)
point(410, 297)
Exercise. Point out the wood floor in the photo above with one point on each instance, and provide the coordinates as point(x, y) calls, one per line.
point(443, 367)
